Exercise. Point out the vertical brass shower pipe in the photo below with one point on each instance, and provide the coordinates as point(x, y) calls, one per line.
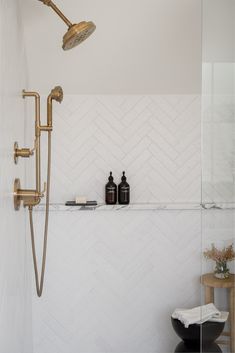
point(49, 111)
point(56, 94)
point(37, 137)
point(30, 197)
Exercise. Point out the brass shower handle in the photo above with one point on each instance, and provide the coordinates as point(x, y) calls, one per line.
point(22, 152)
point(29, 197)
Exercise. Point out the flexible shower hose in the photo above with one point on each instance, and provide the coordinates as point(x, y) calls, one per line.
point(39, 284)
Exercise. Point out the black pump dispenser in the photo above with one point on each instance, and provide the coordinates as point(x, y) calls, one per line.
point(111, 191)
point(123, 191)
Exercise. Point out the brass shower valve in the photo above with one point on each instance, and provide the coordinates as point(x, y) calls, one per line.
point(32, 197)
point(29, 197)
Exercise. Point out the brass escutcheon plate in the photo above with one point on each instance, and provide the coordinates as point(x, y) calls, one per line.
point(15, 149)
point(17, 201)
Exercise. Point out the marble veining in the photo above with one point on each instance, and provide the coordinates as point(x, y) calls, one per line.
point(138, 207)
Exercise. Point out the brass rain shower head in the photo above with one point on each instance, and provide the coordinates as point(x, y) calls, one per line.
point(76, 33)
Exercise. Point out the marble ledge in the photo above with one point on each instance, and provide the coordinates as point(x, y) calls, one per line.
point(139, 207)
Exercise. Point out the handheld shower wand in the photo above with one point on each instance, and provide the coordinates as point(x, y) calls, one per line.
point(31, 198)
point(76, 33)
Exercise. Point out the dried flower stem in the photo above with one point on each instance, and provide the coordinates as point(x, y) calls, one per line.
point(227, 254)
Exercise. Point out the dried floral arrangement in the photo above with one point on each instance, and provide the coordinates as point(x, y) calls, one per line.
point(221, 257)
point(227, 254)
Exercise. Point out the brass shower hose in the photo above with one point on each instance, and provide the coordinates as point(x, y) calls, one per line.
point(39, 284)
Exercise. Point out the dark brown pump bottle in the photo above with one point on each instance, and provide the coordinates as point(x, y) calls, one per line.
point(111, 191)
point(123, 191)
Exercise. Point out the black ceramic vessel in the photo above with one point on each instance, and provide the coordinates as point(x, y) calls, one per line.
point(183, 348)
point(207, 332)
point(198, 338)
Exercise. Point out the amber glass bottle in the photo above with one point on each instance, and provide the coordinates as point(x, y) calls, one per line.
point(123, 191)
point(111, 191)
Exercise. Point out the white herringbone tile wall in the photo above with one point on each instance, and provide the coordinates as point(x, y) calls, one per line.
point(155, 139)
point(113, 279)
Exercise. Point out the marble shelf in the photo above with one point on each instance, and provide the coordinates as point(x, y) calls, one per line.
point(139, 207)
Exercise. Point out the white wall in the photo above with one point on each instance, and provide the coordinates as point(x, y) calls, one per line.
point(218, 31)
point(141, 47)
point(15, 277)
point(218, 100)
point(152, 47)
point(107, 271)
point(155, 139)
point(113, 279)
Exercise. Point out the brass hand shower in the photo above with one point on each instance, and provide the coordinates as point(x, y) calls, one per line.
point(76, 33)
point(31, 198)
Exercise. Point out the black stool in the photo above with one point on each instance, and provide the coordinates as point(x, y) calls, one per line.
point(198, 338)
point(182, 348)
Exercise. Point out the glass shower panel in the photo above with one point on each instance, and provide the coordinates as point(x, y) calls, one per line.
point(218, 152)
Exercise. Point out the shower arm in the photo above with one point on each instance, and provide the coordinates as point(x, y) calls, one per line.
point(59, 13)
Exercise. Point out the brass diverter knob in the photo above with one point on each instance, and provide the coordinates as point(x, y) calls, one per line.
point(21, 152)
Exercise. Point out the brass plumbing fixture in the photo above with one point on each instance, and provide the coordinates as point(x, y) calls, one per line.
point(22, 152)
point(76, 33)
point(32, 197)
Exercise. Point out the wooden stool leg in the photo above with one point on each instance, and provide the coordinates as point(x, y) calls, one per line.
point(209, 295)
point(232, 318)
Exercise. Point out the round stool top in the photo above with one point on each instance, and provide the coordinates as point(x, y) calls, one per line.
point(210, 280)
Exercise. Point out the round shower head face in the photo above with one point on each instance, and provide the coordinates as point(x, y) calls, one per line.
point(77, 34)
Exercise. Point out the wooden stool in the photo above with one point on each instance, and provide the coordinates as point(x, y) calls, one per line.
point(211, 282)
